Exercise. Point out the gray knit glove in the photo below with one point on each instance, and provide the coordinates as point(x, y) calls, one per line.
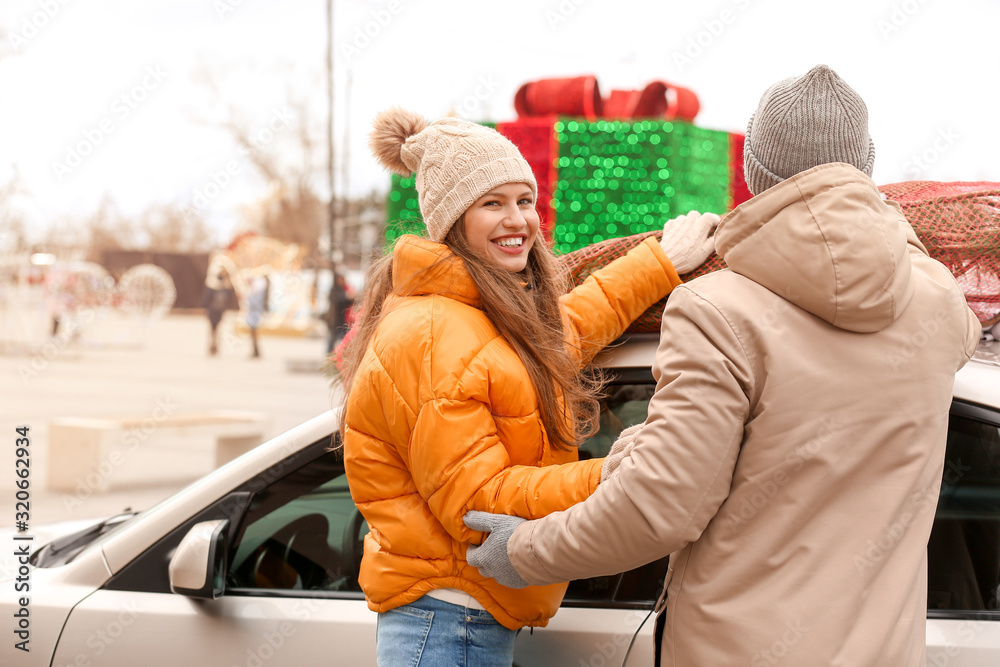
point(622, 448)
point(491, 556)
point(688, 240)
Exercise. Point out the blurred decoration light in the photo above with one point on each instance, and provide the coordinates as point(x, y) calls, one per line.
point(620, 178)
point(43, 259)
point(147, 291)
point(609, 178)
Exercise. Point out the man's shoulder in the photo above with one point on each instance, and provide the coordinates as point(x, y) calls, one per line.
point(723, 286)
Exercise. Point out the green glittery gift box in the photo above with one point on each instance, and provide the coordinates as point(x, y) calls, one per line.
point(603, 178)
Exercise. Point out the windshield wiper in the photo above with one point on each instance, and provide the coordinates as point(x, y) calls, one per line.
point(62, 550)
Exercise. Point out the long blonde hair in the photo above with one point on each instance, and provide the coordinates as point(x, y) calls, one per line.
point(524, 307)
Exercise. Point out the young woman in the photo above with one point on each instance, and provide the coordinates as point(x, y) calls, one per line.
point(465, 389)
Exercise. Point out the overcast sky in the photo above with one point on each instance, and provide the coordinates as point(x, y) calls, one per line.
point(119, 75)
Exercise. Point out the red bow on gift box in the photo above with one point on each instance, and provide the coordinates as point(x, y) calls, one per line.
point(580, 96)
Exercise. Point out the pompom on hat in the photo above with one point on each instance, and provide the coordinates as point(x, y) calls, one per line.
point(456, 163)
point(803, 122)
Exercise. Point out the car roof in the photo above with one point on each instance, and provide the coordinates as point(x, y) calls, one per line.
point(978, 382)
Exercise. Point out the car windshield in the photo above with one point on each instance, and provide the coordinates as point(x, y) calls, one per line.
point(65, 549)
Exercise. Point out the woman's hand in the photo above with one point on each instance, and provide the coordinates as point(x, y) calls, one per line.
point(688, 240)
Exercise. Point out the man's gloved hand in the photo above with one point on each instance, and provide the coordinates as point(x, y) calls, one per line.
point(490, 558)
point(622, 447)
point(688, 240)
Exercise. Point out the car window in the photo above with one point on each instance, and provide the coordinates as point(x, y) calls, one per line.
point(301, 532)
point(624, 404)
point(149, 571)
point(626, 399)
point(964, 550)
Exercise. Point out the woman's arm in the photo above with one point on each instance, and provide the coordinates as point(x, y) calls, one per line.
point(601, 308)
point(458, 463)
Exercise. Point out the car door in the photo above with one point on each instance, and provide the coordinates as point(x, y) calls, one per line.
point(291, 593)
point(963, 578)
point(604, 621)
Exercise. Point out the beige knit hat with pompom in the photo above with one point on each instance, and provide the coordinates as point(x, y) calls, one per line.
point(456, 163)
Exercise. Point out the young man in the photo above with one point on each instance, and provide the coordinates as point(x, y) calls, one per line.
point(787, 434)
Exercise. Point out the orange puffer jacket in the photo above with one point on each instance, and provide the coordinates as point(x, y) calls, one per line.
point(442, 418)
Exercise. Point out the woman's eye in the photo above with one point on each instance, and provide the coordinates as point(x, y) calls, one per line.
point(490, 203)
point(526, 202)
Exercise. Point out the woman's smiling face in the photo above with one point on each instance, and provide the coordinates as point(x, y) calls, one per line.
point(502, 225)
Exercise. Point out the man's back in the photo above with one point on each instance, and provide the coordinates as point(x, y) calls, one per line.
point(818, 549)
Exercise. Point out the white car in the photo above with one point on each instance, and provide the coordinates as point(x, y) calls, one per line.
point(256, 564)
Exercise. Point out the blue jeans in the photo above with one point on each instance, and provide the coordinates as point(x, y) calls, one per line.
point(434, 633)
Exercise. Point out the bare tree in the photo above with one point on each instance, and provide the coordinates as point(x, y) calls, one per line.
point(283, 149)
point(161, 227)
point(108, 229)
point(169, 228)
point(294, 168)
point(13, 235)
point(5, 45)
point(105, 228)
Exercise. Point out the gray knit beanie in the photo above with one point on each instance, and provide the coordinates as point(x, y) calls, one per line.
point(456, 162)
point(803, 122)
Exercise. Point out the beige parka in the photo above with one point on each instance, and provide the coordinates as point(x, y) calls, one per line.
point(793, 451)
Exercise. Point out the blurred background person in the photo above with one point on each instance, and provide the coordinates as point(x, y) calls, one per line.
point(215, 300)
point(257, 306)
point(338, 314)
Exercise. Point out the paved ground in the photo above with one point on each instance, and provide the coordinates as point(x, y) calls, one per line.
point(118, 368)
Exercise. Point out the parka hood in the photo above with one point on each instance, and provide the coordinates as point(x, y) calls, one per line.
point(825, 240)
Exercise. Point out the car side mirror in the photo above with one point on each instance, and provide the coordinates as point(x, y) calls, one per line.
point(198, 567)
